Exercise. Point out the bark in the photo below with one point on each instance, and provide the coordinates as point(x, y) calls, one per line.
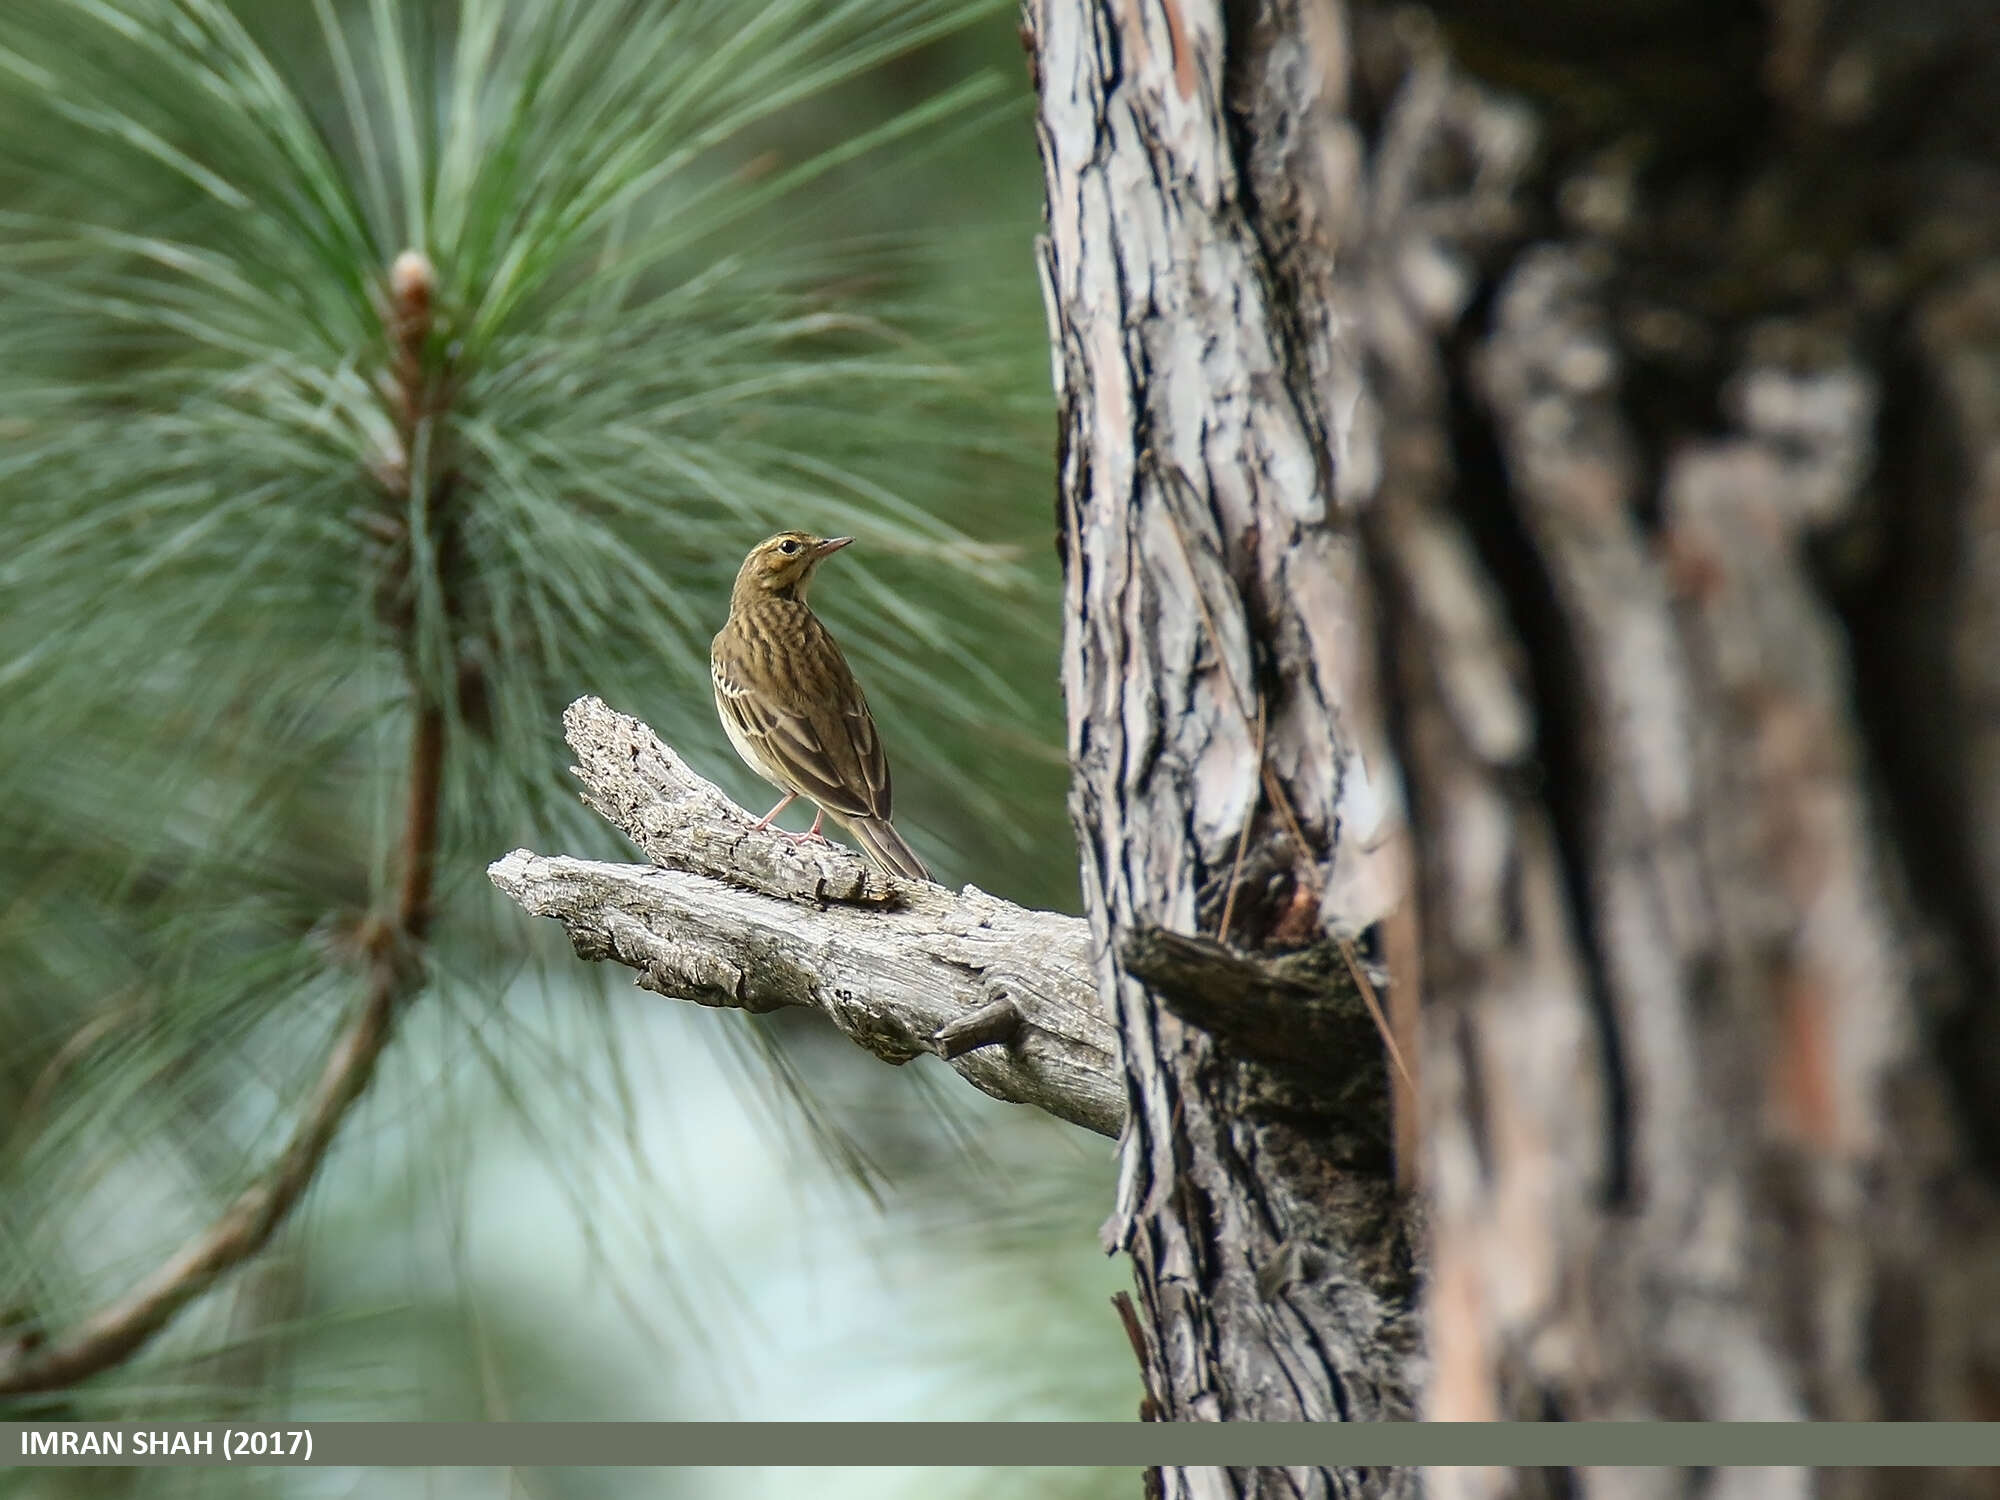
point(1695, 1146)
point(1631, 373)
point(1217, 668)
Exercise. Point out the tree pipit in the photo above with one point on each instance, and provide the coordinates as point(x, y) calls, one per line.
point(792, 707)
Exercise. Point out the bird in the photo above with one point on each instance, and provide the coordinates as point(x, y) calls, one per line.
point(791, 706)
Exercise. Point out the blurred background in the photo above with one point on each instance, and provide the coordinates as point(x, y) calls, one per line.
point(702, 269)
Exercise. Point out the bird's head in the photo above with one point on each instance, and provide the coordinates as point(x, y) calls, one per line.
point(782, 566)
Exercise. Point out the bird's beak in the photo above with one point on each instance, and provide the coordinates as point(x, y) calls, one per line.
point(831, 546)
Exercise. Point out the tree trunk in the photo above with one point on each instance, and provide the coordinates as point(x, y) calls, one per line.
point(1217, 662)
point(1631, 374)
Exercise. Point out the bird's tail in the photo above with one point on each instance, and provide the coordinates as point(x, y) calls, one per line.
point(886, 847)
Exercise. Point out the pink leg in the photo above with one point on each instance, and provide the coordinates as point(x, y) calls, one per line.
point(765, 821)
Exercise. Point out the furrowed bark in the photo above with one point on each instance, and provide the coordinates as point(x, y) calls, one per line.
point(1217, 667)
point(1648, 369)
point(1691, 1130)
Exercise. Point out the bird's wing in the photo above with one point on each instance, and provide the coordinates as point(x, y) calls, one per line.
point(804, 714)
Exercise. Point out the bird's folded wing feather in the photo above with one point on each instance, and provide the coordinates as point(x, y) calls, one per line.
point(811, 723)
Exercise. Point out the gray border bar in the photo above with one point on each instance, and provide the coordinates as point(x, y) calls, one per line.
point(1018, 1444)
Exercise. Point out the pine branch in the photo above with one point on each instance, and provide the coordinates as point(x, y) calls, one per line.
point(733, 915)
point(30, 1362)
point(393, 946)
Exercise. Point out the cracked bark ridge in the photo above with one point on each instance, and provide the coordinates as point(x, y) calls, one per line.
point(1210, 588)
point(1003, 994)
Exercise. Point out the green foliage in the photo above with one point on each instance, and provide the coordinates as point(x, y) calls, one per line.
point(639, 375)
point(239, 540)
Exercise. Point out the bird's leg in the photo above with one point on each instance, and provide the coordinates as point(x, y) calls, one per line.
point(808, 836)
point(765, 821)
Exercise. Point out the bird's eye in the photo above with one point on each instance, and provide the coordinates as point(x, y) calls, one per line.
point(788, 547)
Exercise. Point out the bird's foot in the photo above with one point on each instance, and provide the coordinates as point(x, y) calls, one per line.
point(811, 836)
